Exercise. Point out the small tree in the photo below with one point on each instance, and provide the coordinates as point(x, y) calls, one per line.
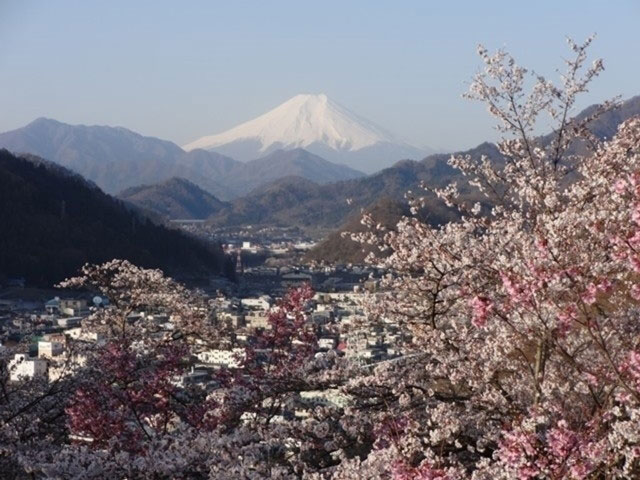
point(127, 414)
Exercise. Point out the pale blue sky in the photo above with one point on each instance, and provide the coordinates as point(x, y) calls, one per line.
point(179, 70)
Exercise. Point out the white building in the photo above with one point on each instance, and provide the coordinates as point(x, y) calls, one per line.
point(74, 307)
point(69, 322)
point(326, 343)
point(259, 303)
point(85, 335)
point(257, 320)
point(50, 349)
point(24, 367)
point(64, 366)
point(224, 358)
point(304, 245)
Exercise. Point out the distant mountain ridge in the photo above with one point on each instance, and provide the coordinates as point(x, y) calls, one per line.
point(291, 202)
point(284, 163)
point(53, 222)
point(113, 157)
point(116, 159)
point(294, 201)
point(317, 124)
point(177, 198)
point(283, 188)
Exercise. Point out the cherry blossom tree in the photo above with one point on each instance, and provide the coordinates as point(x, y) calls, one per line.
point(32, 417)
point(128, 415)
point(523, 316)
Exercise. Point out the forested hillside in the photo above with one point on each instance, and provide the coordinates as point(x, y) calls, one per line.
point(53, 221)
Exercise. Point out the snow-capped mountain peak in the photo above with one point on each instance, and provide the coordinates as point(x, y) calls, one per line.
point(300, 122)
point(310, 121)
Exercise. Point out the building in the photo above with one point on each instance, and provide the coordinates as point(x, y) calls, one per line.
point(69, 322)
point(74, 307)
point(296, 279)
point(84, 335)
point(327, 343)
point(64, 366)
point(310, 400)
point(223, 358)
point(24, 367)
point(50, 349)
point(231, 319)
point(256, 319)
point(53, 306)
point(259, 303)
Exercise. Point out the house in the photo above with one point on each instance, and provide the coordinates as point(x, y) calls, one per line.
point(74, 307)
point(230, 319)
point(64, 366)
point(50, 349)
point(310, 400)
point(53, 306)
point(321, 317)
point(327, 343)
point(86, 336)
point(192, 377)
point(257, 320)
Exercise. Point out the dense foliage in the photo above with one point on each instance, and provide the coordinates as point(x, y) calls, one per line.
point(122, 406)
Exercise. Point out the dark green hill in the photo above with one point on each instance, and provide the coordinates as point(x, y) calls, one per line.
point(52, 221)
point(176, 198)
point(280, 164)
point(337, 248)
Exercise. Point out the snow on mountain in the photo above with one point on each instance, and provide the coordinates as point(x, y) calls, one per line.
point(317, 124)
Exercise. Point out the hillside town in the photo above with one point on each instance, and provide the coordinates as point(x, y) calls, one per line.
point(39, 331)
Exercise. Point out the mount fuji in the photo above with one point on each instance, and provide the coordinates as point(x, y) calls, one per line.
point(317, 124)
